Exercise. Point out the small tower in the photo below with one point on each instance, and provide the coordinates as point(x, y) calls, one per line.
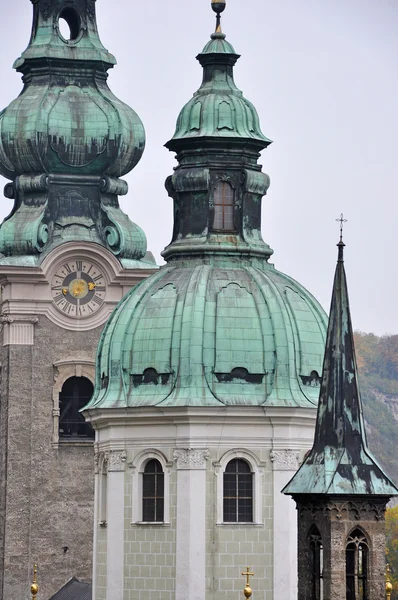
point(340, 490)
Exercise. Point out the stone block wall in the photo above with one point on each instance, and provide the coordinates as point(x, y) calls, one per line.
point(46, 501)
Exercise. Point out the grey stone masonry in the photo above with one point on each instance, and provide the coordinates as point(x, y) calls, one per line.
point(46, 489)
point(336, 518)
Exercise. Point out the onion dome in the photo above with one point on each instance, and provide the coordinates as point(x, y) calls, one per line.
point(66, 132)
point(218, 325)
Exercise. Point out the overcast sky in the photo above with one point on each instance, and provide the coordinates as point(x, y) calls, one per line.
point(323, 77)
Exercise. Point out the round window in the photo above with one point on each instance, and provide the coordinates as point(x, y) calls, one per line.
point(69, 24)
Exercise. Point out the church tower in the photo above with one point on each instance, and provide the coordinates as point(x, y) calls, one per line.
point(68, 254)
point(340, 490)
point(207, 378)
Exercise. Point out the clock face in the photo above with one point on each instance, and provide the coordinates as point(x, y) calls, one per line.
point(78, 288)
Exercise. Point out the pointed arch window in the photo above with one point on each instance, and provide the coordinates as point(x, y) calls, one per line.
point(357, 566)
point(238, 492)
point(75, 394)
point(316, 557)
point(153, 492)
point(223, 207)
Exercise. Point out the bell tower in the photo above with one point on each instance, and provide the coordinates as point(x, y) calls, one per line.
point(68, 254)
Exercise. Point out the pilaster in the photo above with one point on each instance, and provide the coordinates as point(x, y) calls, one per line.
point(191, 523)
point(115, 528)
point(285, 463)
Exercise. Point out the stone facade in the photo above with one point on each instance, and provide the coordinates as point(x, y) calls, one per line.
point(336, 518)
point(193, 553)
point(46, 484)
point(47, 499)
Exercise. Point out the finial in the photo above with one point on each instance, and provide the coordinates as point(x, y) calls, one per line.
point(247, 591)
point(218, 6)
point(341, 244)
point(388, 583)
point(34, 588)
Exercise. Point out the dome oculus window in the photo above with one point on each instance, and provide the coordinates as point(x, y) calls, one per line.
point(223, 207)
point(238, 492)
point(75, 394)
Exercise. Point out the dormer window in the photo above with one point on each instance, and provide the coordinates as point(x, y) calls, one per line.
point(223, 207)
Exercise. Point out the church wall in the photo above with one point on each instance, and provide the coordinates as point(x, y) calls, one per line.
point(154, 553)
point(150, 550)
point(50, 487)
point(230, 548)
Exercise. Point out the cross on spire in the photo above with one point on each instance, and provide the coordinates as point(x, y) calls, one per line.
point(341, 220)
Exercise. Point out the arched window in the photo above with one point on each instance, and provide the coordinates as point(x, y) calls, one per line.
point(223, 207)
point(357, 560)
point(316, 557)
point(75, 394)
point(238, 492)
point(153, 492)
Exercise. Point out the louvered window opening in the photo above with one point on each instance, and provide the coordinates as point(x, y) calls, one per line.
point(238, 492)
point(223, 207)
point(75, 394)
point(357, 560)
point(316, 557)
point(153, 492)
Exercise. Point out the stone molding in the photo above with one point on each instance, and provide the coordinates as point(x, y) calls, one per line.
point(285, 460)
point(18, 330)
point(191, 458)
point(116, 461)
point(360, 510)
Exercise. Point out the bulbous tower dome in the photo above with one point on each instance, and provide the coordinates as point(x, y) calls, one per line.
point(218, 325)
point(66, 132)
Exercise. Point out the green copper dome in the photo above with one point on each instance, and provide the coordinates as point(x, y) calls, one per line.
point(212, 336)
point(218, 108)
point(218, 325)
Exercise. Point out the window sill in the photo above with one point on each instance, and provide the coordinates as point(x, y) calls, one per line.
point(150, 524)
point(235, 523)
point(72, 442)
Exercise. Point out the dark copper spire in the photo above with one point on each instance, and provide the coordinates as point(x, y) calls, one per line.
point(340, 461)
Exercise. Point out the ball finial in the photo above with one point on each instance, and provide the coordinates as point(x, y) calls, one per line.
point(218, 6)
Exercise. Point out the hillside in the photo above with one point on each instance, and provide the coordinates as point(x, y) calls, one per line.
point(377, 359)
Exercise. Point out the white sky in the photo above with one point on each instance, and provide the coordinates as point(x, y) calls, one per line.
point(323, 77)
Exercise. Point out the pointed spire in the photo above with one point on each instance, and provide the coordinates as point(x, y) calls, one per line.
point(340, 461)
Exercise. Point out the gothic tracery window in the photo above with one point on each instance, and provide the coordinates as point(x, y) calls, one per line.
point(357, 562)
point(153, 492)
point(238, 492)
point(316, 557)
point(223, 207)
point(75, 394)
